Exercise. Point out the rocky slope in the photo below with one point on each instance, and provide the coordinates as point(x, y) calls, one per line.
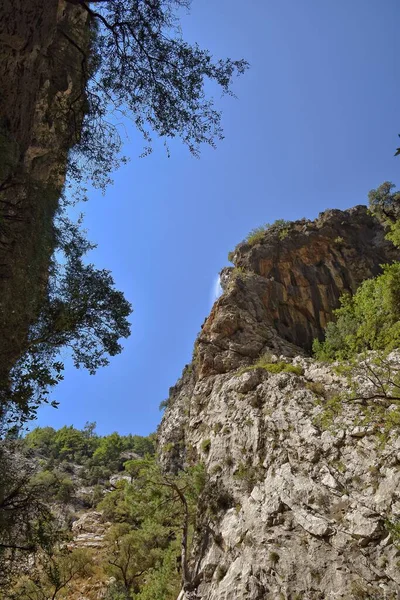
point(295, 508)
point(41, 77)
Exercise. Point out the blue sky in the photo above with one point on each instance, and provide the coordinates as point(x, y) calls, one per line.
point(314, 126)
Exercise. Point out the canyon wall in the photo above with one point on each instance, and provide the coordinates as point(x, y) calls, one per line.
point(294, 507)
point(42, 94)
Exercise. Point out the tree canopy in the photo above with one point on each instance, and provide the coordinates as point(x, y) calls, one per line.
point(138, 64)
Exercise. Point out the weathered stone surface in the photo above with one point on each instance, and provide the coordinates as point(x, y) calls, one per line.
point(40, 74)
point(307, 508)
point(89, 530)
point(295, 511)
point(282, 292)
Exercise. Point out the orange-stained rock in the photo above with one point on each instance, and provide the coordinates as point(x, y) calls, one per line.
point(284, 288)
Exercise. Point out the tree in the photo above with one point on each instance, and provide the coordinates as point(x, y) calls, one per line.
point(138, 64)
point(26, 521)
point(369, 320)
point(42, 440)
point(82, 312)
point(55, 575)
point(156, 518)
point(109, 451)
point(384, 203)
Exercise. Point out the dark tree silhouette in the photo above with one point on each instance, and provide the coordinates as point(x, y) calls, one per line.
point(138, 64)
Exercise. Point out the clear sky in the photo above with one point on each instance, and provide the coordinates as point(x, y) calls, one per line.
point(315, 126)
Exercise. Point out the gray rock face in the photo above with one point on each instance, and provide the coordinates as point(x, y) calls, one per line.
point(89, 531)
point(293, 508)
point(284, 287)
point(295, 512)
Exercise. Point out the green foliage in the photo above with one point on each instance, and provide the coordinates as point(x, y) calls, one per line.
point(249, 474)
point(100, 456)
point(41, 439)
point(163, 581)
point(384, 203)
point(82, 312)
point(206, 446)
point(317, 388)
point(330, 410)
point(373, 380)
point(140, 65)
point(55, 576)
point(370, 320)
point(164, 404)
point(272, 367)
point(281, 226)
point(143, 546)
point(257, 234)
point(392, 525)
point(109, 451)
point(134, 61)
point(56, 486)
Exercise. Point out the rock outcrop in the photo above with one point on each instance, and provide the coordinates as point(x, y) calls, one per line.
point(41, 99)
point(284, 288)
point(89, 531)
point(293, 508)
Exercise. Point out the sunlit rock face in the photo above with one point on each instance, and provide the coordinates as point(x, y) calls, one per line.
point(40, 73)
point(291, 510)
point(284, 288)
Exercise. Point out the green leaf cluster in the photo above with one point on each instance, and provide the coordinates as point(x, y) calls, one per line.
point(143, 550)
point(369, 320)
point(99, 455)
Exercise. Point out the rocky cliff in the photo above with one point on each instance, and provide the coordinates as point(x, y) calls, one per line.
point(40, 107)
point(295, 507)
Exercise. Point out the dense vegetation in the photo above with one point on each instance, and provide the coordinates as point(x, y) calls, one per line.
point(66, 472)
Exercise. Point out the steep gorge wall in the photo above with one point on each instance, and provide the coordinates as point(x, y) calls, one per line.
point(40, 76)
point(292, 509)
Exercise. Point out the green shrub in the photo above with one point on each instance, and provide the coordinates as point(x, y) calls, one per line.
point(272, 367)
point(206, 445)
point(370, 320)
point(274, 557)
point(249, 474)
point(221, 572)
point(163, 404)
point(257, 234)
point(317, 388)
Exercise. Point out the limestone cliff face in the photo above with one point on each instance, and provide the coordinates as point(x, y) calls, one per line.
point(40, 75)
point(292, 509)
point(285, 287)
